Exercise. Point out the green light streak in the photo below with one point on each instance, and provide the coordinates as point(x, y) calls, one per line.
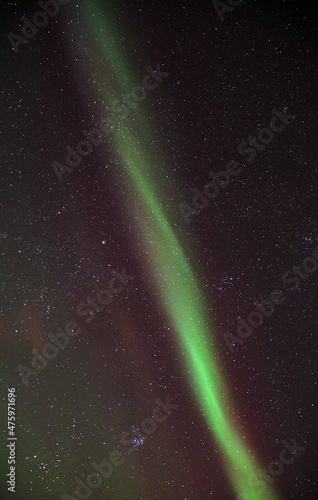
point(176, 282)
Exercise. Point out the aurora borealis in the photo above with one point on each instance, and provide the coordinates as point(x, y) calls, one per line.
point(118, 115)
point(179, 291)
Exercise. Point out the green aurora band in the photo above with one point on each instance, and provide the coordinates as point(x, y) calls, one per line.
point(176, 282)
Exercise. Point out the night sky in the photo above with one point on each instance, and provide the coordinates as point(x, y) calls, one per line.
point(159, 249)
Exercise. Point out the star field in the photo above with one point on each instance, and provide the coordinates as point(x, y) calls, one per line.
point(126, 237)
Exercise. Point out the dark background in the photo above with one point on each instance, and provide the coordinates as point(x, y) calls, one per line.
point(63, 240)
